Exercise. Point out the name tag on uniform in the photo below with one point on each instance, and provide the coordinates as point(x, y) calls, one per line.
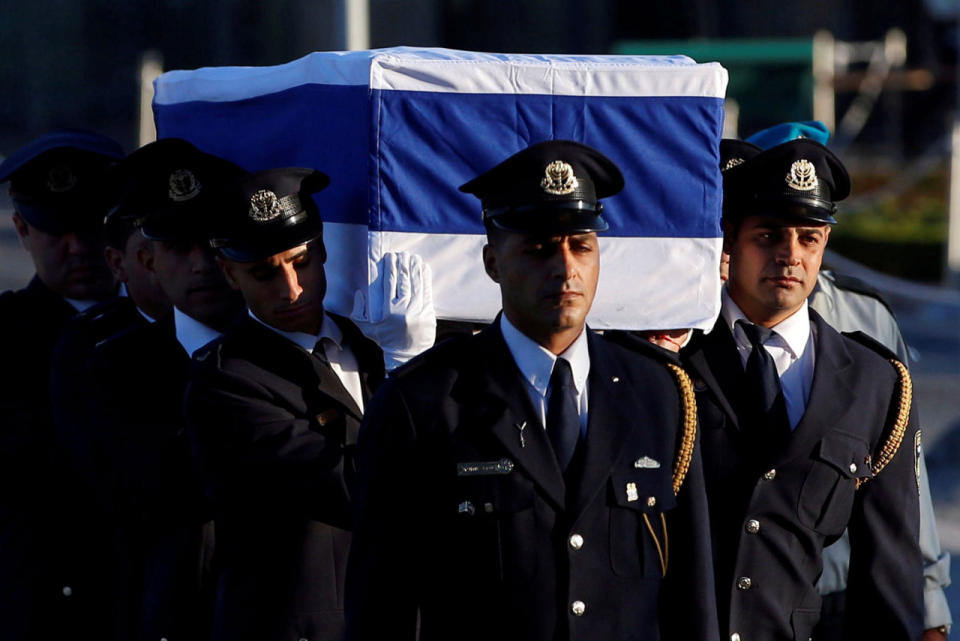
point(485, 468)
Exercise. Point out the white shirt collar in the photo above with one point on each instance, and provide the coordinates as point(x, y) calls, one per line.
point(793, 332)
point(81, 305)
point(191, 333)
point(328, 329)
point(536, 362)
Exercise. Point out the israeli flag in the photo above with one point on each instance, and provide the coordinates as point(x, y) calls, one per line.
point(398, 130)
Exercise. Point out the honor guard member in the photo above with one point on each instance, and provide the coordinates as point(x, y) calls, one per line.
point(55, 185)
point(806, 432)
point(98, 492)
point(274, 408)
point(139, 378)
point(848, 305)
point(533, 481)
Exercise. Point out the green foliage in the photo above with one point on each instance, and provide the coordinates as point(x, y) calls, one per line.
point(903, 235)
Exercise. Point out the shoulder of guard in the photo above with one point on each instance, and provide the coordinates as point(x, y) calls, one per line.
point(448, 352)
point(872, 344)
point(857, 286)
point(636, 343)
point(902, 403)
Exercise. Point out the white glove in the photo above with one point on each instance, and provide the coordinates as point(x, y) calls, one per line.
point(396, 310)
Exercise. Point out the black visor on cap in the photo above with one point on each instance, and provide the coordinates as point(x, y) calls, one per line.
point(550, 221)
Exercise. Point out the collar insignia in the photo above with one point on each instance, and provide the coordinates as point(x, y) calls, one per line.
point(183, 186)
point(802, 176)
point(632, 494)
point(646, 463)
point(60, 179)
point(559, 179)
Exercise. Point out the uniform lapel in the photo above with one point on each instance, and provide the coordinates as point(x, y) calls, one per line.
point(290, 362)
point(369, 356)
point(831, 396)
point(500, 401)
point(715, 361)
point(608, 421)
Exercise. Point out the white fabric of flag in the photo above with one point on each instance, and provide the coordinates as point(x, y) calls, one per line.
point(398, 130)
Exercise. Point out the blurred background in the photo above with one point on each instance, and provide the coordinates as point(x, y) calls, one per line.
point(882, 74)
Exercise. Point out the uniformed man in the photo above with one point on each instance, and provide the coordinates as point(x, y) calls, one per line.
point(55, 185)
point(274, 408)
point(802, 426)
point(103, 554)
point(524, 482)
point(848, 305)
point(138, 379)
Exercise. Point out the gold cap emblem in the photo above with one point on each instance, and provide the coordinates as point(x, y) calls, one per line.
point(60, 179)
point(559, 179)
point(183, 185)
point(731, 163)
point(264, 206)
point(802, 176)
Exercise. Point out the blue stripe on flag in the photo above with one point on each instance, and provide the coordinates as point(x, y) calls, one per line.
point(323, 127)
point(430, 143)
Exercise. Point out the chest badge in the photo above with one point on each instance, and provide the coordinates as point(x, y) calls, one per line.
point(646, 463)
point(632, 494)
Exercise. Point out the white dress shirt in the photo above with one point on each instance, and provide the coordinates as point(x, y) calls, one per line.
point(342, 360)
point(191, 333)
point(536, 365)
point(792, 347)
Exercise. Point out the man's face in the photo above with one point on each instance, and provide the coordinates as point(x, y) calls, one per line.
point(188, 274)
point(285, 290)
point(773, 266)
point(142, 285)
point(70, 264)
point(547, 283)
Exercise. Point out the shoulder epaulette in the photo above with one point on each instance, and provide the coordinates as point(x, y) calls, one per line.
point(688, 406)
point(857, 286)
point(901, 416)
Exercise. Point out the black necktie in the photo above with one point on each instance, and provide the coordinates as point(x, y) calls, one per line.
point(563, 419)
point(764, 382)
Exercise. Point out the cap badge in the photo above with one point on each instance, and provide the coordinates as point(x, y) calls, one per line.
point(264, 206)
point(183, 185)
point(60, 179)
point(559, 179)
point(802, 176)
point(731, 163)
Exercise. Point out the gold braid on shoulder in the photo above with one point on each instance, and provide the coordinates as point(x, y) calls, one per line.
point(689, 401)
point(895, 438)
